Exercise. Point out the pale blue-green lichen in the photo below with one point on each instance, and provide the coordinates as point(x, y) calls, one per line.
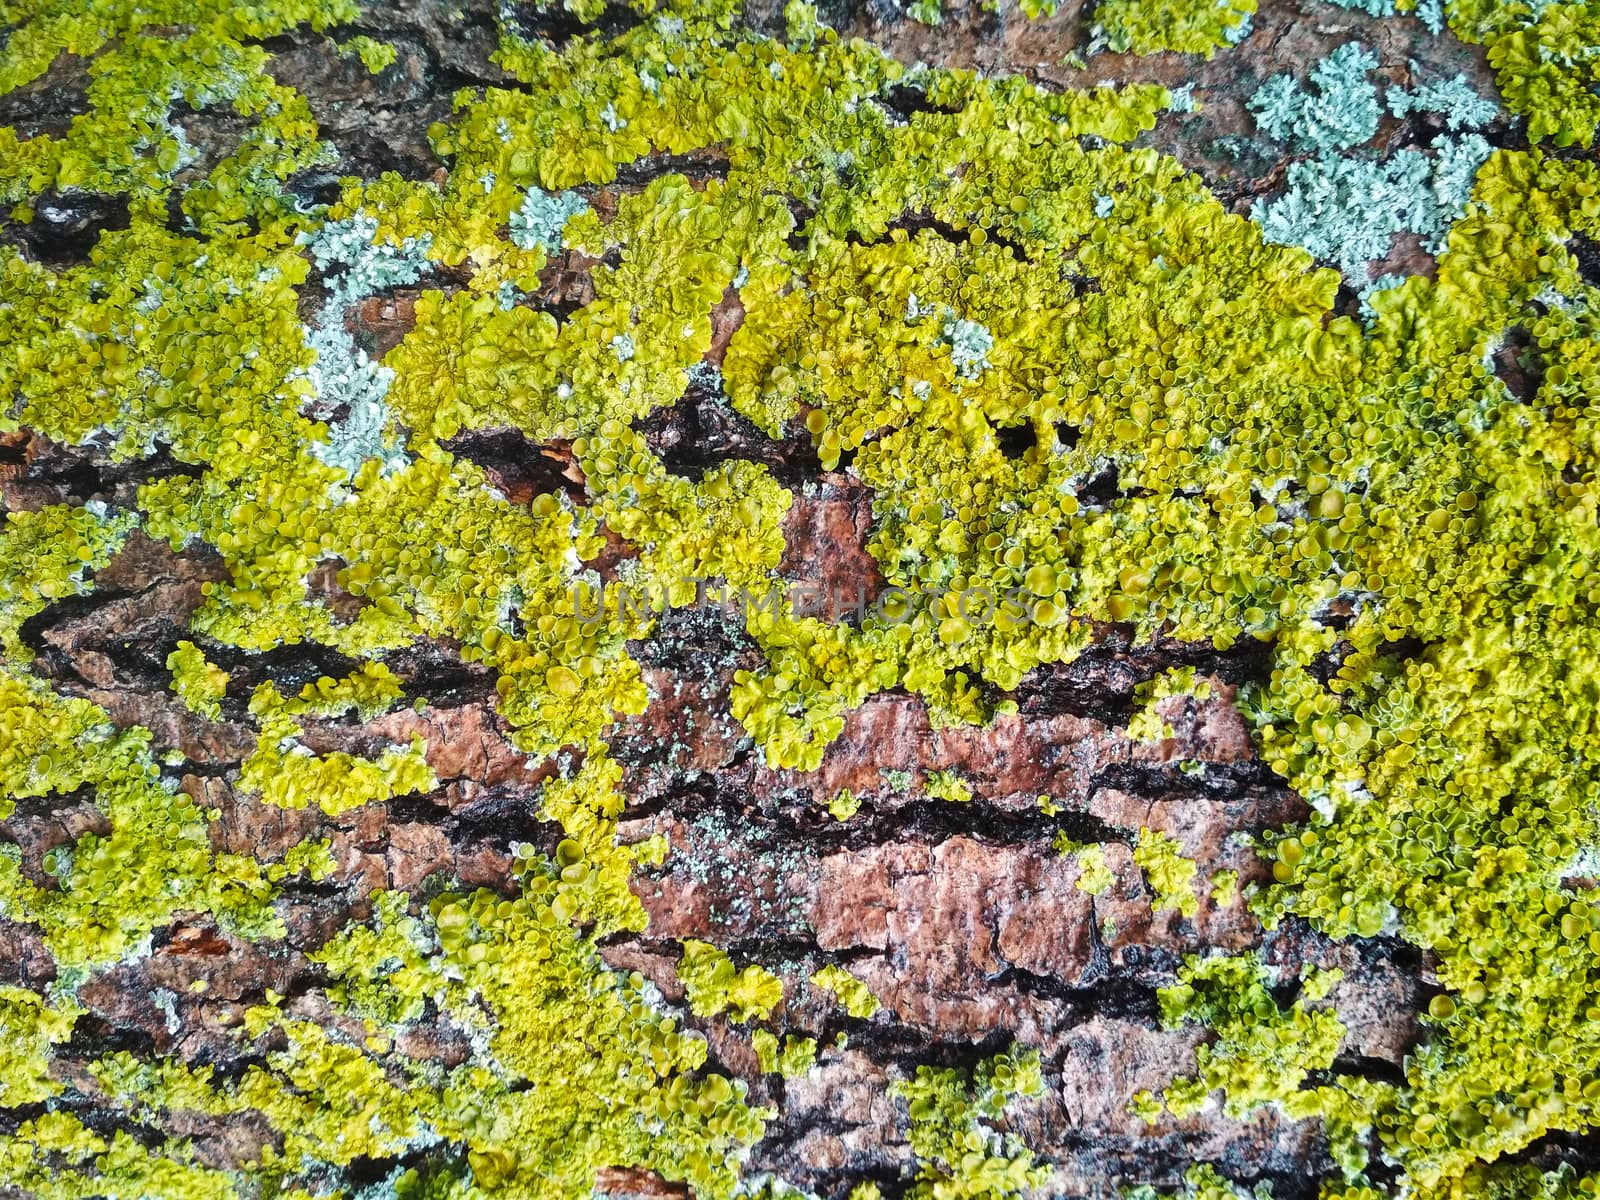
point(1348, 210)
point(539, 219)
point(1454, 100)
point(344, 380)
point(1339, 109)
point(1346, 205)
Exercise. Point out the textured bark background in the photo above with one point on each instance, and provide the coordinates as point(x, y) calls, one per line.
point(960, 917)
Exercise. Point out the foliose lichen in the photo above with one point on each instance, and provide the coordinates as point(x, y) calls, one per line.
point(1412, 539)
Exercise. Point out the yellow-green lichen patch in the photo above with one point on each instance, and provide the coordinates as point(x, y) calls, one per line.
point(112, 890)
point(1146, 724)
point(1204, 1182)
point(375, 56)
point(1188, 26)
point(1208, 451)
point(1224, 888)
point(844, 805)
point(368, 690)
point(960, 1156)
point(593, 884)
point(1263, 1054)
point(1543, 60)
point(287, 775)
point(855, 997)
point(47, 555)
point(792, 1060)
point(29, 1026)
point(947, 785)
point(388, 968)
point(200, 685)
point(56, 1157)
point(712, 984)
point(1170, 875)
point(1094, 875)
point(313, 858)
point(146, 57)
point(568, 1045)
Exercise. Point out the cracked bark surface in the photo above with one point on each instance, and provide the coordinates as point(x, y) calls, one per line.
point(961, 918)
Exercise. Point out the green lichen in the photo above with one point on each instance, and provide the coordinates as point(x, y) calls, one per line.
point(375, 56)
point(1147, 724)
point(569, 1045)
point(47, 555)
point(960, 1155)
point(1204, 1182)
point(1094, 875)
point(313, 858)
point(287, 775)
point(1541, 53)
point(1188, 26)
point(844, 805)
point(28, 1028)
point(1170, 875)
point(370, 689)
point(56, 1157)
point(931, 12)
point(388, 968)
point(854, 996)
point(594, 868)
point(1544, 62)
point(200, 685)
point(793, 1060)
point(1265, 1055)
point(112, 889)
point(712, 985)
point(947, 785)
point(1271, 458)
point(1224, 888)
point(146, 57)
